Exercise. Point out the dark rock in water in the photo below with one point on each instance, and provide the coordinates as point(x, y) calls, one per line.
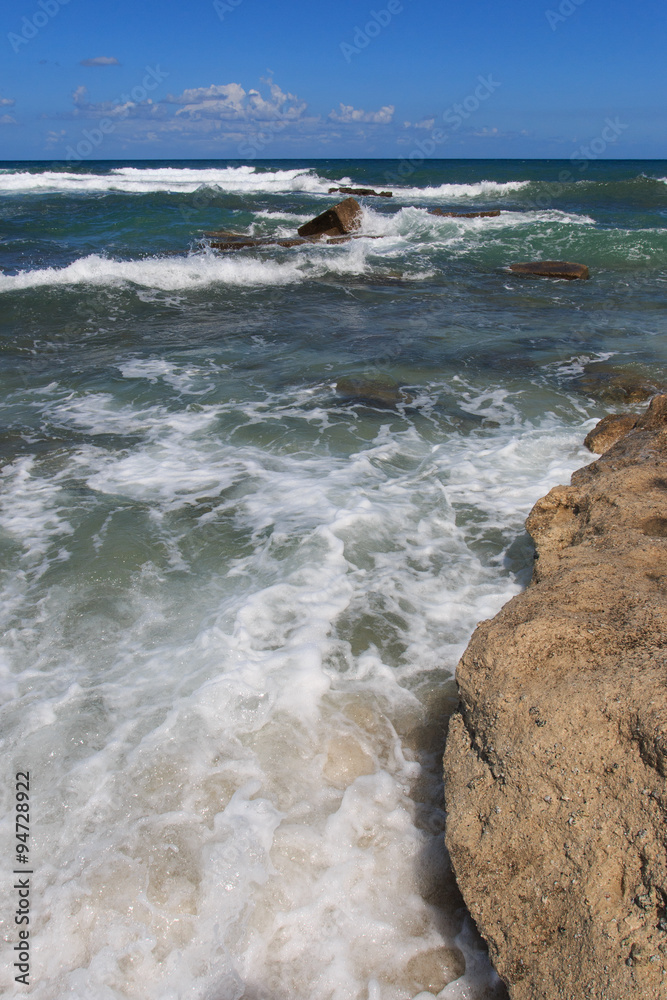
point(241, 242)
point(491, 214)
point(552, 269)
point(556, 759)
point(609, 430)
point(615, 384)
point(372, 391)
point(366, 192)
point(236, 242)
point(343, 218)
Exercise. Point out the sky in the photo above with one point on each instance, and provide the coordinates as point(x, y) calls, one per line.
point(256, 79)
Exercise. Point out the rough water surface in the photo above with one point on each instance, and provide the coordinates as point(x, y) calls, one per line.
point(234, 596)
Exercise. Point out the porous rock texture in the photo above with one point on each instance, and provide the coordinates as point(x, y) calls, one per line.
point(556, 760)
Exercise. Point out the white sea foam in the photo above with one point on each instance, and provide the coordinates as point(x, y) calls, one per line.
point(455, 192)
point(218, 703)
point(256, 268)
point(163, 273)
point(174, 180)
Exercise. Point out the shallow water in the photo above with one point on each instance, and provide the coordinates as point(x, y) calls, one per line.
point(233, 598)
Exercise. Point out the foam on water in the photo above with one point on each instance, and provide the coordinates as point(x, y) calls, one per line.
point(173, 180)
point(220, 690)
point(256, 268)
point(455, 192)
point(163, 273)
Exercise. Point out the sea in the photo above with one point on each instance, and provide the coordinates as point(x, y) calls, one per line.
point(252, 506)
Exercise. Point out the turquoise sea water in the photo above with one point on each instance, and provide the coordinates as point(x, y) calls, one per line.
point(233, 598)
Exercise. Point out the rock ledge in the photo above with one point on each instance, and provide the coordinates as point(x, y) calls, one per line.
point(556, 760)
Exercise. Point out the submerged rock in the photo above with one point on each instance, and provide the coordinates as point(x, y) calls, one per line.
point(615, 384)
point(552, 269)
point(343, 218)
point(491, 214)
point(556, 759)
point(366, 192)
point(372, 391)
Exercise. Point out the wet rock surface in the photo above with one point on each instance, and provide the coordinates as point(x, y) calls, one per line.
point(556, 759)
point(611, 383)
point(609, 430)
point(343, 218)
point(235, 241)
point(552, 269)
point(490, 214)
point(365, 192)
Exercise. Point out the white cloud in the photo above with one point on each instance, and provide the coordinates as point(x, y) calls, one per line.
point(79, 96)
point(425, 123)
point(8, 120)
point(232, 101)
point(6, 102)
point(55, 137)
point(100, 61)
point(349, 114)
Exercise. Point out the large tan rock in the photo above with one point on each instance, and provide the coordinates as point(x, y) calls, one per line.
point(609, 430)
point(556, 761)
point(345, 217)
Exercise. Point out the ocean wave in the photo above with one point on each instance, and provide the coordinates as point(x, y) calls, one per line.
point(163, 273)
point(172, 180)
point(454, 192)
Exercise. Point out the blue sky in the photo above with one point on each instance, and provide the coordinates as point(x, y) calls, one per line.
point(252, 79)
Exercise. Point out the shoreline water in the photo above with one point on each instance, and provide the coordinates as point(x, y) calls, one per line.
point(233, 598)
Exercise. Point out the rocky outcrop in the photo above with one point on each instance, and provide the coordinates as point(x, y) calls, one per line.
point(609, 430)
point(611, 383)
point(362, 192)
point(556, 760)
point(343, 218)
point(552, 269)
point(236, 241)
point(491, 214)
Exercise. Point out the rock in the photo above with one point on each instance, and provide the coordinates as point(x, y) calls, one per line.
point(552, 269)
point(372, 391)
point(556, 759)
point(615, 384)
point(609, 430)
point(236, 242)
point(343, 218)
point(432, 970)
point(465, 215)
point(366, 192)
